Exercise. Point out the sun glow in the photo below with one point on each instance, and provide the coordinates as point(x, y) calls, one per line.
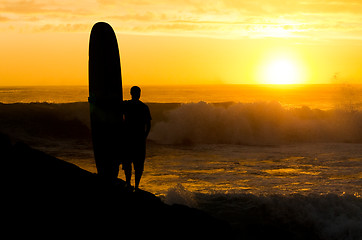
point(281, 71)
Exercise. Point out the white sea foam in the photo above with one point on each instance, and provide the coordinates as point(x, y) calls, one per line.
point(324, 216)
point(263, 123)
point(179, 195)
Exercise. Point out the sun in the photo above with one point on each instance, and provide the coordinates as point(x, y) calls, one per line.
point(281, 71)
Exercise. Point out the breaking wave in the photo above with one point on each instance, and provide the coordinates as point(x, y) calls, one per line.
point(44, 121)
point(194, 123)
point(256, 124)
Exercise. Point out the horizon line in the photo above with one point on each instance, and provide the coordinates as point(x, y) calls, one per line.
point(196, 84)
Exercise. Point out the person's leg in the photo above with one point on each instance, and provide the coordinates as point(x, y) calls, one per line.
point(138, 175)
point(127, 167)
point(128, 173)
point(115, 171)
point(138, 168)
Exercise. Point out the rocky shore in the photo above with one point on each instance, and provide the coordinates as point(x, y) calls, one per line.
point(47, 197)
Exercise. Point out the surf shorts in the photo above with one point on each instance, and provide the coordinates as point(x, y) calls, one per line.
point(134, 152)
point(138, 164)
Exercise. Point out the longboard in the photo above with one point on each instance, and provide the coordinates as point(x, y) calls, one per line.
point(105, 99)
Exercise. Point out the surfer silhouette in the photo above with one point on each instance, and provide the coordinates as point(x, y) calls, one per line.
point(137, 119)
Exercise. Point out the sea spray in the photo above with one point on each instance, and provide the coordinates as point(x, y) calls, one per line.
point(310, 216)
point(260, 123)
point(180, 195)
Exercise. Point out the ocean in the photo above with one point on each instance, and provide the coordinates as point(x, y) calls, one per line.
point(270, 154)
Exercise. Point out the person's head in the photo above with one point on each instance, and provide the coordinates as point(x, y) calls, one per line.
point(135, 92)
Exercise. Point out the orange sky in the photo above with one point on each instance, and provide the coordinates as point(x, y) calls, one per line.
point(45, 42)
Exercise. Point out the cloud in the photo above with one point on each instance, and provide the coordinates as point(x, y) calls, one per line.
point(23, 6)
point(280, 7)
point(247, 18)
point(142, 17)
point(28, 7)
point(43, 15)
point(4, 19)
point(129, 2)
point(63, 28)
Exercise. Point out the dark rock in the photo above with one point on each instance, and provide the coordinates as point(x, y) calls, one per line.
point(45, 196)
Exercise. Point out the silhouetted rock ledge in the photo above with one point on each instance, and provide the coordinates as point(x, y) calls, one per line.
point(47, 197)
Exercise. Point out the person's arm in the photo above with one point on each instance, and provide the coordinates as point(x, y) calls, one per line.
point(148, 128)
point(148, 121)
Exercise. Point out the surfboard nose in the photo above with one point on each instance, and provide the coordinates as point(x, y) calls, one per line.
point(102, 34)
point(104, 62)
point(101, 25)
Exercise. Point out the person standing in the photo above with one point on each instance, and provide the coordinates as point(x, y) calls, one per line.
point(137, 119)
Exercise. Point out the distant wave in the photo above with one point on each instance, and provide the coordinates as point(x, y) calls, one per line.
point(39, 121)
point(262, 123)
point(29, 121)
